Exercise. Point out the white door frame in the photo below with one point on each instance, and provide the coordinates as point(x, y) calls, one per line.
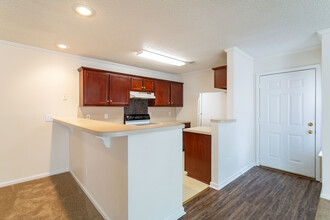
point(318, 111)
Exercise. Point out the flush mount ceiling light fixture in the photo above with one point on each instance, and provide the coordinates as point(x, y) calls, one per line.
point(83, 10)
point(160, 58)
point(62, 46)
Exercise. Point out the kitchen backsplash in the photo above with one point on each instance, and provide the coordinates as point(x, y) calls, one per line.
point(116, 114)
point(137, 106)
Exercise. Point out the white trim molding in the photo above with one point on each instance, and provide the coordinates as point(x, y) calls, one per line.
point(176, 215)
point(91, 198)
point(29, 178)
point(325, 196)
point(236, 49)
point(230, 179)
point(323, 32)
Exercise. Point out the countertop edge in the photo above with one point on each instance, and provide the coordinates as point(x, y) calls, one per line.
point(223, 120)
point(119, 132)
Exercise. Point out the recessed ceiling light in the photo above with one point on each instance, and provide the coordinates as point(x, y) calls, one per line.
point(161, 58)
point(62, 46)
point(84, 10)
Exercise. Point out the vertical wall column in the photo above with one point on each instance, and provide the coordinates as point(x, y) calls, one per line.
point(233, 144)
point(325, 82)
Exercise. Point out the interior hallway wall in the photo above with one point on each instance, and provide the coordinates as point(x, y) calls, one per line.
point(309, 56)
point(194, 84)
point(325, 80)
point(33, 82)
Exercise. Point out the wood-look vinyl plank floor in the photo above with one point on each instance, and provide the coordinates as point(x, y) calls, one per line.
point(258, 194)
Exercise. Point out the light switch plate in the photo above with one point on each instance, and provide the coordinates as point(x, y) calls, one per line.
point(106, 116)
point(49, 117)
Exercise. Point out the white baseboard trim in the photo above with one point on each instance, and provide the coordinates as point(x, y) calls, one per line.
point(29, 178)
point(325, 196)
point(178, 214)
point(97, 206)
point(215, 186)
point(231, 178)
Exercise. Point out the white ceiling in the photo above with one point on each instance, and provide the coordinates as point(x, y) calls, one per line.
point(191, 30)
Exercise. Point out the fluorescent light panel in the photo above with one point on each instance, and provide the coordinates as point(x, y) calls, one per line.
point(160, 58)
point(84, 10)
point(62, 46)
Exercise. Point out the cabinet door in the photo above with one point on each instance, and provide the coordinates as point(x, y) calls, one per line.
point(119, 90)
point(149, 85)
point(136, 84)
point(162, 93)
point(96, 88)
point(176, 94)
point(220, 77)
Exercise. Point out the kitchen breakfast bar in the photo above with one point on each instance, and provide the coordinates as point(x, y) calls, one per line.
point(128, 172)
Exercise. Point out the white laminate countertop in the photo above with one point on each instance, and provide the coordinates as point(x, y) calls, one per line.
point(199, 130)
point(109, 129)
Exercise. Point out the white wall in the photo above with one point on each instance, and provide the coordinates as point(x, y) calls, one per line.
point(138, 177)
point(305, 57)
point(32, 84)
point(194, 84)
point(325, 77)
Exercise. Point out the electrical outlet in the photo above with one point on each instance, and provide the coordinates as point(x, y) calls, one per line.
point(150, 114)
point(170, 114)
point(106, 116)
point(65, 97)
point(49, 117)
point(88, 116)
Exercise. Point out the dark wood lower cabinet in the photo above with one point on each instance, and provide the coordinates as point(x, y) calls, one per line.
point(198, 156)
point(186, 125)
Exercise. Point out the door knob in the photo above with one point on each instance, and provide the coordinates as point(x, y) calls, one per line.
point(310, 131)
point(310, 124)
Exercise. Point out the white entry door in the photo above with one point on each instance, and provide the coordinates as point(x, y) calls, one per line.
point(287, 121)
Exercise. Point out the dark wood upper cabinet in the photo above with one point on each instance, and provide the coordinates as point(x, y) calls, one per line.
point(119, 90)
point(142, 85)
point(105, 88)
point(220, 77)
point(176, 94)
point(136, 84)
point(95, 88)
point(149, 85)
point(162, 93)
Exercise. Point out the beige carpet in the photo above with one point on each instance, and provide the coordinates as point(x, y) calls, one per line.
point(323, 210)
point(60, 197)
point(191, 187)
point(55, 197)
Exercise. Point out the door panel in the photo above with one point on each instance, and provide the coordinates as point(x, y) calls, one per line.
point(162, 93)
point(96, 88)
point(149, 85)
point(136, 84)
point(119, 90)
point(176, 94)
point(287, 105)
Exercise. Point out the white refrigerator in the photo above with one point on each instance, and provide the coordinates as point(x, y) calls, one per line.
point(211, 105)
